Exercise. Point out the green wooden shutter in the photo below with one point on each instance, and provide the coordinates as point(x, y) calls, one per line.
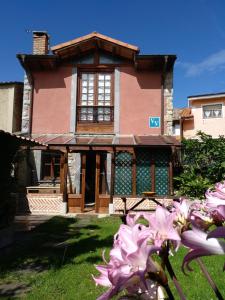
point(123, 173)
point(143, 173)
point(161, 158)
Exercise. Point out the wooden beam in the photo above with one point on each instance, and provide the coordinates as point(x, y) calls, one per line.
point(63, 175)
point(152, 172)
point(124, 148)
point(97, 178)
point(112, 181)
point(134, 171)
point(83, 179)
point(170, 175)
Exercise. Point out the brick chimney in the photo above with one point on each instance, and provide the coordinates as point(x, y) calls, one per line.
point(40, 42)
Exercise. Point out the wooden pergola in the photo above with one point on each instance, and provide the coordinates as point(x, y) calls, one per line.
point(109, 144)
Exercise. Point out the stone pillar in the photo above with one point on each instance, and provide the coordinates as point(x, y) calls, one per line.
point(37, 160)
point(27, 95)
point(168, 102)
point(74, 165)
point(108, 166)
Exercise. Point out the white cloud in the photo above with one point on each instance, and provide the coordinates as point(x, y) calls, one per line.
point(211, 63)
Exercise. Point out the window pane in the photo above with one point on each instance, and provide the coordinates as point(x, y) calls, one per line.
point(107, 91)
point(107, 118)
point(84, 76)
point(101, 97)
point(84, 83)
point(84, 96)
point(101, 77)
point(107, 83)
point(84, 90)
point(107, 77)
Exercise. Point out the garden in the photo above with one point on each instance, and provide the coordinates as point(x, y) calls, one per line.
point(56, 261)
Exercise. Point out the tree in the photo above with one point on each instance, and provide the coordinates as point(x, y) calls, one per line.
point(203, 164)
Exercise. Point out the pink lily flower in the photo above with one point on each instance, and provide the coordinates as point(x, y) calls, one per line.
point(161, 224)
point(129, 263)
point(182, 209)
point(219, 232)
point(200, 245)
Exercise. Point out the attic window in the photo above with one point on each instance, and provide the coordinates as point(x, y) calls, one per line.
point(212, 111)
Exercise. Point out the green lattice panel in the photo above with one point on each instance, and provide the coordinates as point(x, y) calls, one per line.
point(143, 175)
point(123, 174)
point(161, 158)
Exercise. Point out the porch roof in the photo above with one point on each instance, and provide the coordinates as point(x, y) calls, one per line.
point(96, 140)
point(19, 139)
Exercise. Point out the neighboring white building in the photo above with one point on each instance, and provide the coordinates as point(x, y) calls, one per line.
point(11, 99)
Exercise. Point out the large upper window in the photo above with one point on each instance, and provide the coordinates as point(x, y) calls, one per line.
point(95, 103)
point(212, 111)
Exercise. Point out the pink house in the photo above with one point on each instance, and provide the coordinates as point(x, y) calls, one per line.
point(205, 113)
point(103, 113)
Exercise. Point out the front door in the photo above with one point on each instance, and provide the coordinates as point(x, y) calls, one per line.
point(90, 180)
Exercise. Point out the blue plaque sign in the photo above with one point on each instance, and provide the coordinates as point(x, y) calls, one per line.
point(154, 122)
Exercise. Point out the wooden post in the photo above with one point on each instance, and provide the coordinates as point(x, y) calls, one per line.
point(170, 177)
point(112, 181)
point(171, 191)
point(134, 172)
point(83, 179)
point(153, 175)
point(63, 175)
point(97, 177)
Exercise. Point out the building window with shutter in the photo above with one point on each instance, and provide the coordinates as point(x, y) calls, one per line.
point(95, 97)
point(212, 111)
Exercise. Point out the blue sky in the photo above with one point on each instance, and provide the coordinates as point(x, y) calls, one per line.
point(194, 30)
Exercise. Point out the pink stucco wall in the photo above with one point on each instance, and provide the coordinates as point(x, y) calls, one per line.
point(51, 101)
point(140, 98)
point(212, 126)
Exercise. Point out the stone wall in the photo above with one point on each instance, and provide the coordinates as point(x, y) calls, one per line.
point(168, 100)
point(74, 170)
point(27, 95)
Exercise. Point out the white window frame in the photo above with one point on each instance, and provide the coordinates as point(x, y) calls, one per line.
point(212, 104)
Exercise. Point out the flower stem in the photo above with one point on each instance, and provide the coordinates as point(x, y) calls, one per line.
point(169, 292)
point(210, 280)
point(174, 278)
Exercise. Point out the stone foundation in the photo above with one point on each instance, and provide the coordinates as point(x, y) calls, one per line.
point(45, 203)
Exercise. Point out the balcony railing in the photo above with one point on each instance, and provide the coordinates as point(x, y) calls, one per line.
point(95, 114)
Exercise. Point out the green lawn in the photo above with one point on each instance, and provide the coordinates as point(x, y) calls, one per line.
point(56, 261)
